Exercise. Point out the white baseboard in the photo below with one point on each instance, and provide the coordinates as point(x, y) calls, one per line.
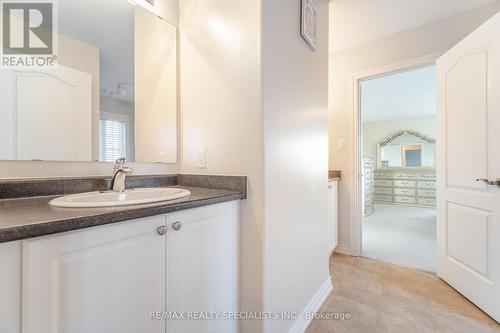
point(343, 249)
point(301, 324)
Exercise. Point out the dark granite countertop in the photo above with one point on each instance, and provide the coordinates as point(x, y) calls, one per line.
point(23, 218)
point(334, 175)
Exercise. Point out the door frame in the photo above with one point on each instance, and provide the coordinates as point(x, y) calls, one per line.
point(356, 128)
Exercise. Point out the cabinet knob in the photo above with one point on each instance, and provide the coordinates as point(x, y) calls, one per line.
point(161, 230)
point(177, 226)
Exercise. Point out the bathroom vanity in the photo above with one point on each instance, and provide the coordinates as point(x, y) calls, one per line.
point(140, 268)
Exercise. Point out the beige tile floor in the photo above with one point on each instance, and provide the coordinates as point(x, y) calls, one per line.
point(383, 298)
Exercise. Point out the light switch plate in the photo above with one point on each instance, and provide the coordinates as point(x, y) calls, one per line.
point(202, 159)
point(342, 144)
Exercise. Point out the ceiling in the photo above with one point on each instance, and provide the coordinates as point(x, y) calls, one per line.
point(357, 22)
point(402, 95)
point(108, 25)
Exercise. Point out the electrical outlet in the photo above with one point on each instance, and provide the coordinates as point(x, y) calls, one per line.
point(202, 159)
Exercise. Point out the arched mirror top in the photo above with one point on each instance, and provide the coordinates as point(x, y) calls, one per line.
point(398, 136)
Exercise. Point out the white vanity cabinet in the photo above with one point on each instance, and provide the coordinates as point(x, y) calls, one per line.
point(333, 214)
point(10, 287)
point(202, 265)
point(104, 279)
point(111, 278)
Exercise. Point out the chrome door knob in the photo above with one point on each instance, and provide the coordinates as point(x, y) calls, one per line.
point(177, 226)
point(161, 230)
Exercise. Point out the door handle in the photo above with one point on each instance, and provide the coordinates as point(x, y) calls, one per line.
point(489, 182)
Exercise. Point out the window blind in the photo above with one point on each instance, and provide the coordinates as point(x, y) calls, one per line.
point(113, 140)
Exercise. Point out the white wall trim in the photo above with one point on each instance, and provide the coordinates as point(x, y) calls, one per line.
point(343, 249)
point(355, 130)
point(301, 324)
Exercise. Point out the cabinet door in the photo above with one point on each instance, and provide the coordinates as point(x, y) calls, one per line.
point(334, 220)
point(10, 287)
point(202, 268)
point(101, 280)
point(330, 216)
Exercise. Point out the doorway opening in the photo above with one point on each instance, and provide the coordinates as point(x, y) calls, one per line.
point(397, 158)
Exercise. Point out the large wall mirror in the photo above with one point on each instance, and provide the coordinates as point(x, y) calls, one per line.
point(407, 149)
point(113, 93)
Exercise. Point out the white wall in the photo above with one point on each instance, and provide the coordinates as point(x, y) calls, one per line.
point(281, 134)
point(295, 117)
point(221, 113)
point(435, 37)
point(22, 169)
point(401, 95)
point(375, 132)
point(383, 18)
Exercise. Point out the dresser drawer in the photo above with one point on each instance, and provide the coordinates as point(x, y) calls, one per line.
point(427, 177)
point(404, 183)
point(383, 198)
point(427, 185)
point(383, 182)
point(383, 190)
point(385, 175)
point(407, 200)
point(427, 201)
point(405, 191)
point(407, 176)
point(427, 193)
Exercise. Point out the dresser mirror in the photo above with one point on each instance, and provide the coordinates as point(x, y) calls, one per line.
point(113, 92)
point(407, 149)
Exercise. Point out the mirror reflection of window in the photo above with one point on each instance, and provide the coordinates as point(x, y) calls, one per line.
point(114, 132)
point(391, 156)
point(412, 155)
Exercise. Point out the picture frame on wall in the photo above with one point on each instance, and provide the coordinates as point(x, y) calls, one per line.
point(308, 23)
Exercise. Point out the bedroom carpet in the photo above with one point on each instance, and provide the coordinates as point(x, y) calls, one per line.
point(401, 235)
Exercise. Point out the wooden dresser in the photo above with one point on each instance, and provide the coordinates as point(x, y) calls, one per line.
point(405, 187)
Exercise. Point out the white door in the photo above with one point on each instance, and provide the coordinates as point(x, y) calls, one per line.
point(46, 115)
point(202, 266)
point(469, 148)
point(106, 279)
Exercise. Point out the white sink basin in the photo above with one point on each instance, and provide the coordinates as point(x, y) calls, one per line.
point(112, 199)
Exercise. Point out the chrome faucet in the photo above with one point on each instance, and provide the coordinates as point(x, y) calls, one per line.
point(120, 171)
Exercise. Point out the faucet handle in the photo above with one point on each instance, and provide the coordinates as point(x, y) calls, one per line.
point(121, 161)
point(119, 164)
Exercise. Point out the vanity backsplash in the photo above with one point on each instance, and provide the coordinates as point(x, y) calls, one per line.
point(35, 187)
